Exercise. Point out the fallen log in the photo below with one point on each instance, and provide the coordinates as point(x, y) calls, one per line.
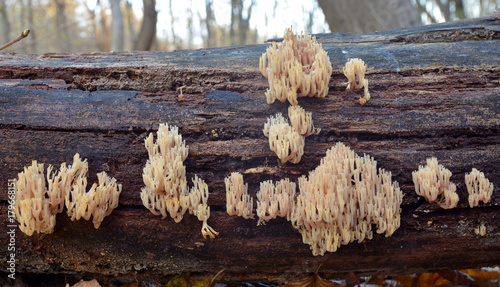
point(435, 92)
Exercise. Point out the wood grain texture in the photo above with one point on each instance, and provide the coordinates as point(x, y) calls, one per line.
point(435, 92)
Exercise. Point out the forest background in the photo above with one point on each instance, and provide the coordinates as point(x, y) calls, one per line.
point(126, 25)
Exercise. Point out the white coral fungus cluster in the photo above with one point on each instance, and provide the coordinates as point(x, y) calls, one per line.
point(286, 140)
point(238, 201)
point(275, 200)
point(341, 199)
point(287, 143)
point(166, 191)
point(296, 67)
point(355, 70)
point(38, 198)
point(478, 187)
point(433, 183)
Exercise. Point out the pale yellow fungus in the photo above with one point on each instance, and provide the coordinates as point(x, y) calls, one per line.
point(238, 201)
point(355, 71)
point(39, 199)
point(199, 206)
point(341, 199)
point(99, 201)
point(480, 230)
point(433, 183)
point(275, 200)
point(478, 187)
point(296, 67)
point(284, 140)
point(166, 191)
point(302, 121)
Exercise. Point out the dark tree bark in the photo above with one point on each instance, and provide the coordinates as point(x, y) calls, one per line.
point(434, 93)
point(147, 34)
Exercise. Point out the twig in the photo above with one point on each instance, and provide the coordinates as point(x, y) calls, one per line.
point(24, 34)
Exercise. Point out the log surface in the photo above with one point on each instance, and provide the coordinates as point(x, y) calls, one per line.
point(435, 92)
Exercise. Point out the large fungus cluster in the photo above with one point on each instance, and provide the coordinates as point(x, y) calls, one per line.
point(296, 67)
point(166, 191)
point(432, 181)
point(39, 198)
point(341, 199)
point(337, 203)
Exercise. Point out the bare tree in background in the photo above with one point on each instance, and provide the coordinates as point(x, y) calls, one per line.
point(4, 23)
point(364, 16)
point(209, 23)
point(131, 20)
point(62, 31)
point(147, 32)
point(240, 26)
point(31, 25)
point(117, 27)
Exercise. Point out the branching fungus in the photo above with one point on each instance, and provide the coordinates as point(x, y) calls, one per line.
point(302, 121)
point(355, 70)
point(284, 140)
point(341, 199)
point(238, 201)
point(37, 203)
point(275, 200)
point(296, 67)
point(165, 178)
point(433, 183)
point(478, 187)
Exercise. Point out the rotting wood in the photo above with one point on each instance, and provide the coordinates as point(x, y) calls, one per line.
point(433, 94)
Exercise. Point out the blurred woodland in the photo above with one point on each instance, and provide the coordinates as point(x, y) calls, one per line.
point(126, 25)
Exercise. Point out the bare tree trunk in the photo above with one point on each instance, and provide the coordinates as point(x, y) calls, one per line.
point(117, 27)
point(31, 25)
point(459, 9)
point(4, 23)
point(209, 20)
point(366, 16)
point(190, 33)
point(147, 33)
point(235, 8)
point(64, 38)
point(105, 34)
point(175, 44)
point(240, 26)
point(130, 24)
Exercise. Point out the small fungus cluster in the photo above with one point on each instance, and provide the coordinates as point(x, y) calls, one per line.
point(238, 201)
point(39, 198)
point(433, 183)
point(478, 187)
point(286, 140)
point(275, 200)
point(296, 67)
point(355, 70)
point(287, 143)
point(166, 191)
